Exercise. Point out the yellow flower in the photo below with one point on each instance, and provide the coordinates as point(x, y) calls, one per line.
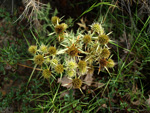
point(97, 28)
point(52, 50)
point(38, 59)
point(71, 65)
point(77, 83)
point(87, 39)
point(70, 73)
point(110, 63)
point(103, 39)
point(54, 62)
point(72, 51)
point(46, 73)
point(64, 25)
point(32, 49)
point(82, 65)
point(55, 20)
point(105, 53)
point(59, 68)
point(43, 48)
point(47, 60)
point(59, 29)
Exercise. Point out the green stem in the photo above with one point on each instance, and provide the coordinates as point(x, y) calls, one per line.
point(31, 76)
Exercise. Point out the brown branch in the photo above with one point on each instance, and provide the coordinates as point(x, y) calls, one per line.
point(29, 67)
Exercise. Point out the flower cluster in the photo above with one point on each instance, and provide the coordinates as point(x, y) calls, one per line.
point(98, 50)
point(73, 55)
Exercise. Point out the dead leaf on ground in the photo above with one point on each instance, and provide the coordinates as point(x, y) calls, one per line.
point(98, 84)
point(82, 24)
point(104, 105)
point(8, 67)
point(66, 93)
point(89, 77)
point(65, 82)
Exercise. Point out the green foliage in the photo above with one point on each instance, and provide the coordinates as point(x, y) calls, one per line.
point(21, 96)
point(10, 54)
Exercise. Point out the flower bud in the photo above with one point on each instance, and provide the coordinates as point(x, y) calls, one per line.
point(32, 49)
point(103, 39)
point(46, 73)
point(38, 59)
point(77, 83)
point(55, 20)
